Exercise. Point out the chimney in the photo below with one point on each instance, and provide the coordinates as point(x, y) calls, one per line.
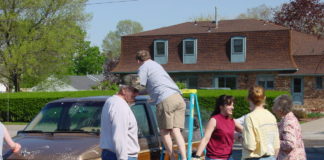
point(216, 22)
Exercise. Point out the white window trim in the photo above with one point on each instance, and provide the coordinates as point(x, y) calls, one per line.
point(238, 57)
point(189, 55)
point(165, 48)
point(244, 45)
point(184, 47)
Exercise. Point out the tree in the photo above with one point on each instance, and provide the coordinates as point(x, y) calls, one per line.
point(302, 15)
point(112, 42)
point(209, 17)
point(38, 38)
point(261, 12)
point(87, 60)
point(111, 46)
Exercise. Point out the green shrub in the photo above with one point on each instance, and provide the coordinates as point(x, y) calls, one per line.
point(106, 85)
point(181, 85)
point(207, 101)
point(24, 106)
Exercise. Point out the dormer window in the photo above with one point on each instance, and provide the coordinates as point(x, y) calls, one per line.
point(161, 51)
point(189, 51)
point(238, 49)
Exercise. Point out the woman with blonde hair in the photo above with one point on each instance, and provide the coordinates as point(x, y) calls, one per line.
point(291, 142)
point(260, 134)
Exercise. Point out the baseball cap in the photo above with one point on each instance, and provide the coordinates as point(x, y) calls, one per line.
point(133, 80)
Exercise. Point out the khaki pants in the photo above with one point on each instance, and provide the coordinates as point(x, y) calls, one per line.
point(170, 112)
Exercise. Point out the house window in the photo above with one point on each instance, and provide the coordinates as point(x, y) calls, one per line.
point(225, 82)
point(161, 51)
point(191, 82)
point(238, 49)
point(238, 46)
point(319, 83)
point(189, 51)
point(266, 81)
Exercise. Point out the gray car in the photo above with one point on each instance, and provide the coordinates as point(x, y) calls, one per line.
point(69, 129)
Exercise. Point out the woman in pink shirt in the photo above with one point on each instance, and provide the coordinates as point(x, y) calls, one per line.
point(219, 133)
point(291, 143)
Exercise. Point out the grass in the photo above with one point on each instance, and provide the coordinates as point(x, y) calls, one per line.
point(311, 116)
point(315, 115)
point(14, 123)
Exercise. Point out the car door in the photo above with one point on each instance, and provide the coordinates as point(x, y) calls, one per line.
point(147, 133)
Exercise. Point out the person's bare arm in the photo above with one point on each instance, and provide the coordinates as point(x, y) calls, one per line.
point(208, 132)
point(13, 145)
point(238, 127)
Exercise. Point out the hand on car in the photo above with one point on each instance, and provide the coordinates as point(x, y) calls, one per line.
point(16, 148)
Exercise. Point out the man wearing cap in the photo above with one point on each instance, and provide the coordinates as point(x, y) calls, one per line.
point(118, 138)
point(165, 93)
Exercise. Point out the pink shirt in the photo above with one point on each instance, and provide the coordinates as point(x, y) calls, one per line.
point(221, 141)
point(291, 142)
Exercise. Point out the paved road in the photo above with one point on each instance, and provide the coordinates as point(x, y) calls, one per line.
point(14, 128)
point(313, 135)
point(314, 150)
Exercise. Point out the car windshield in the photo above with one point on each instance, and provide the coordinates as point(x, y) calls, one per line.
point(68, 117)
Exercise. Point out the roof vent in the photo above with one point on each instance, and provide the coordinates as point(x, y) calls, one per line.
point(216, 22)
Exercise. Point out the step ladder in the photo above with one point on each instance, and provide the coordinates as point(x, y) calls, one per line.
point(193, 105)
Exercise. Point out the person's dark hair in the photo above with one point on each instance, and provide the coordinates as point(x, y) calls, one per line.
point(222, 100)
point(143, 55)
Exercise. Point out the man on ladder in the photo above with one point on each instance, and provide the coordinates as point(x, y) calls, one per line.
point(170, 104)
point(193, 105)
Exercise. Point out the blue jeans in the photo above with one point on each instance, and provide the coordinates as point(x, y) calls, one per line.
point(108, 155)
point(263, 158)
point(206, 158)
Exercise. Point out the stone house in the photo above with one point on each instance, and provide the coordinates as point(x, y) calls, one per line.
point(234, 54)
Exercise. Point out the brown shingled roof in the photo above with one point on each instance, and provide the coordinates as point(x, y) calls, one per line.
point(272, 58)
point(237, 25)
point(306, 44)
point(309, 64)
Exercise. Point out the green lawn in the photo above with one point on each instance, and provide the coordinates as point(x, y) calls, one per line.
point(15, 123)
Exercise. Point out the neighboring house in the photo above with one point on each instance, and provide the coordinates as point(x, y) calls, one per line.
point(70, 83)
point(235, 55)
point(3, 88)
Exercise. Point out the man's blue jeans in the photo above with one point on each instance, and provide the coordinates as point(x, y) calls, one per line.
point(108, 155)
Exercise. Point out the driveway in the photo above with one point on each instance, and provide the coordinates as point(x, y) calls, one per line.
point(313, 136)
point(14, 128)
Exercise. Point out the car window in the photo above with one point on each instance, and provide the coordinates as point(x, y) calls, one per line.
point(47, 120)
point(144, 128)
point(68, 116)
point(84, 117)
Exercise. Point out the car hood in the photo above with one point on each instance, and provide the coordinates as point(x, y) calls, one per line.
point(61, 146)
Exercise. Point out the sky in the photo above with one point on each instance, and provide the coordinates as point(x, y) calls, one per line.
point(153, 14)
